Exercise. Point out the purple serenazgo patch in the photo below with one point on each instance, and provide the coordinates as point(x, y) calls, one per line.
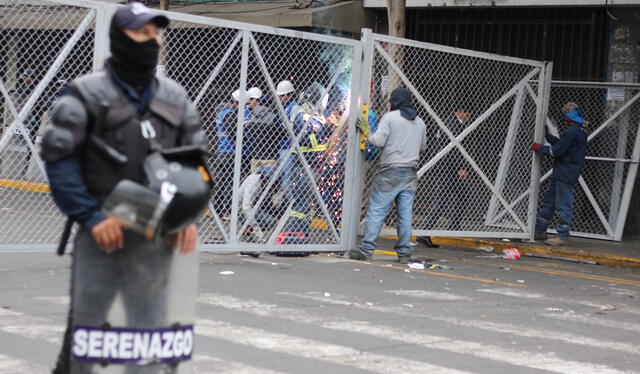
point(132, 346)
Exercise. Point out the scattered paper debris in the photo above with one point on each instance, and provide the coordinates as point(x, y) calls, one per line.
point(555, 310)
point(356, 269)
point(521, 281)
point(369, 303)
point(408, 305)
point(439, 267)
point(226, 272)
point(607, 307)
point(504, 268)
point(407, 271)
point(416, 265)
point(327, 294)
point(506, 240)
point(485, 248)
point(387, 265)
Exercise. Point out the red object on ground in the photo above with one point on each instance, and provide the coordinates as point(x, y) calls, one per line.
point(511, 254)
point(283, 235)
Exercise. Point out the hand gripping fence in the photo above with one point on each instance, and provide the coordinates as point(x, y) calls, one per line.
point(285, 171)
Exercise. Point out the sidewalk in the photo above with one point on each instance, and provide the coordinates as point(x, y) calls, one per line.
point(609, 253)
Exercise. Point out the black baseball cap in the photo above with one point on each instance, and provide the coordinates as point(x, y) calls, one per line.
point(135, 15)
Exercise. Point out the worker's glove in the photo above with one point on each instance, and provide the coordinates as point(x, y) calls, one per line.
point(536, 146)
point(364, 126)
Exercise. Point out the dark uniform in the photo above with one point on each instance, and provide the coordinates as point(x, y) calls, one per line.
point(105, 108)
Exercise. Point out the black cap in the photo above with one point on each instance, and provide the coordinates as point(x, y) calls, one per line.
point(135, 15)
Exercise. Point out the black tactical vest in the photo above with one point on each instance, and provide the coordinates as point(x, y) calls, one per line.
point(122, 128)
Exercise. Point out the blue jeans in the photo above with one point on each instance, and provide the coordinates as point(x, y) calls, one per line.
point(399, 185)
point(559, 198)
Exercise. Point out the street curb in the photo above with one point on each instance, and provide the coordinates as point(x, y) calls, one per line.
point(599, 257)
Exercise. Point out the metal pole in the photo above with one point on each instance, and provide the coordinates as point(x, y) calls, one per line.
point(628, 188)
point(544, 91)
point(353, 178)
point(618, 172)
point(244, 67)
point(101, 38)
point(507, 154)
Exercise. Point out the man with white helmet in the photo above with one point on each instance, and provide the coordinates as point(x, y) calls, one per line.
point(286, 92)
point(224, 154)
point(263, 132)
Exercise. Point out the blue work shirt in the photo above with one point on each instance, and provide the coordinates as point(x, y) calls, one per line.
point(66, 180)
point(226, 123)
point(285, 143)
point(569, 152)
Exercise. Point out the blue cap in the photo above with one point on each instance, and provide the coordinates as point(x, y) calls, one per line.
point(575, 116)
point(135, 15)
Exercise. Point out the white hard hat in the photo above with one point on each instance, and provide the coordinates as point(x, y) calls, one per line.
point(236, 95)
point(255, 93)
point(284, 88)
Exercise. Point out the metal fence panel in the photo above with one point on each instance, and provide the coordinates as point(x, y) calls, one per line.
point(613, 114)
point(481, 117)
point(211, 58)
point(41, 44)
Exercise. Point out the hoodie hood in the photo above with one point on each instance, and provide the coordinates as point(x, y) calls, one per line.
point(401, 100)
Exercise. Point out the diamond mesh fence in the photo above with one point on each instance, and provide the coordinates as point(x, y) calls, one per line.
point(612, 112)
point(480, 113)
point(42, 46)
point(275, 105)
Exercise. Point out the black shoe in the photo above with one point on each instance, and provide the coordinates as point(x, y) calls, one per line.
point(426, 240)
point(354, 254)
point(252, 254)
point(404, 259)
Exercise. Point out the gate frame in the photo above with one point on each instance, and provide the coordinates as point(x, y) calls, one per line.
point(371, 45)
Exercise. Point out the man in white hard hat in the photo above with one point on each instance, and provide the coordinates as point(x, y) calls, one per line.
point(262, 132)
point(286, 92)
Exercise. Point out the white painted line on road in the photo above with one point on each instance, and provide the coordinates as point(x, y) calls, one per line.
point(592, 320)
point(10, 365)
point(531, 295)
point(430, 295)
point(30, 327)
point(483, 325)
point(547, 361)
point(313, 349)
point(513, 293)
point(58, 300)
point(207, 365)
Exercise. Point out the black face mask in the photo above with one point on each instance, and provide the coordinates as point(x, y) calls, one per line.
point(133, 62)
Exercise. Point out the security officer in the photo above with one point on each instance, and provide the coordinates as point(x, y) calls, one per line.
point(316, 133)
point(569, 152)
point(101, 133)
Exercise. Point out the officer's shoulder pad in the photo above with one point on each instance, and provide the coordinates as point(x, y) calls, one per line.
point(171, 91)
point(95, 87)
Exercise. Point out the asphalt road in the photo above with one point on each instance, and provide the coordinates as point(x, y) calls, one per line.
point(324, 314)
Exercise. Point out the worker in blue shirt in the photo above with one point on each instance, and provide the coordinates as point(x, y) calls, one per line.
point(286, 92)
point(569, 153)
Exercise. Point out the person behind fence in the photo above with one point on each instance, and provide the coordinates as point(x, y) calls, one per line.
point(402, 136)
point(452, 183)
point(224, 154)
point(315, 134)
point(569, 152)
point(260, 218)
point(125, 156)
point(263, 132)
point(286, 92)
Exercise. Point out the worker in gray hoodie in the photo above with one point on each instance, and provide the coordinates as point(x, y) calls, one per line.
point(401, 135)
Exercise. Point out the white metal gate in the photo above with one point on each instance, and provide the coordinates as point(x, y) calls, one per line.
point(603, 195)
point(63, 39)
point(475, 169)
